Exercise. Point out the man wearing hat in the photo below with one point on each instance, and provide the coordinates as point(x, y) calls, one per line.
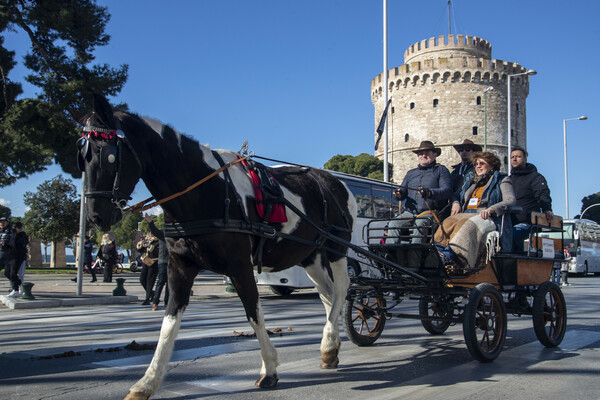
point(460, 170)
point(424, 189)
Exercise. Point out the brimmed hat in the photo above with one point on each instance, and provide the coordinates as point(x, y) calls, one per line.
point(3, 219)
point(428, 145)
point(468, 143)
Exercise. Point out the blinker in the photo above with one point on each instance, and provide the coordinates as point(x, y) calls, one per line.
point(108, 158)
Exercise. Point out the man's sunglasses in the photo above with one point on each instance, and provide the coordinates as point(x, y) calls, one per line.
point(461, 149)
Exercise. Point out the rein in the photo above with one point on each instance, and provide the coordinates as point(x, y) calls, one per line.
point(142, 206)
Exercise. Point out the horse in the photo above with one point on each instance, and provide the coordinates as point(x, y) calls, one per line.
point(216, 225)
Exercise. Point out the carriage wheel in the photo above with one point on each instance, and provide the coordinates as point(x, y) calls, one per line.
point(549, 314)
point(364, 317)
point(484, 323)
point(441, 307)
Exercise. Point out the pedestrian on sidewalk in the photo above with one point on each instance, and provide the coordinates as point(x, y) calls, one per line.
point(148, 247)
point(163, 260)
point(17, 258)
point(108, 254)
point(6, 242)
point(564, 268)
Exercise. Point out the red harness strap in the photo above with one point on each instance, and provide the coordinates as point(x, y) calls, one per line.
point(278, 212)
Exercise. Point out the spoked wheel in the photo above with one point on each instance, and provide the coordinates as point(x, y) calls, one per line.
point(364, 317)
point(438, 307)
point(549, 314)
point(484, 323)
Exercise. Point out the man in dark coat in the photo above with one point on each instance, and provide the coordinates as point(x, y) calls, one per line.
point(433, 190)
point(6, 242)
point(163, 260)
point(18, 256)
point(532, 193)
point(460, 170)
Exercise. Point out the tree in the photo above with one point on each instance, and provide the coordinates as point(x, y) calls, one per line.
point(362, 165)
point(123, 231)
point(35, 132)
point(5, 211)
point(53, 213)
point(594, 212)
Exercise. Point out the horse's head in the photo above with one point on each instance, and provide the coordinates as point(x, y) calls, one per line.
point(111, 166)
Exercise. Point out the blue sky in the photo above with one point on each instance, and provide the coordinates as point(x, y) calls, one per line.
point(293, 78)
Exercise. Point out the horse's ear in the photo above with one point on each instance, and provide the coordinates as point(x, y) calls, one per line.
point(103, 109)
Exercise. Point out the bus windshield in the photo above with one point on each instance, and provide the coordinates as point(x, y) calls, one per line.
point(567, 229)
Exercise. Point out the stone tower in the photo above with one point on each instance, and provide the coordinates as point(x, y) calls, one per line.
point(438, 95)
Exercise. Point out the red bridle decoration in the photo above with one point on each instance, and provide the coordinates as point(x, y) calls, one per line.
point(100, 135)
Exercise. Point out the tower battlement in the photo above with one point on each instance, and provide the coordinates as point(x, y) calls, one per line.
point(457, 44)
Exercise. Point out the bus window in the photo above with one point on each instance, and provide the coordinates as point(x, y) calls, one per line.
point(384, 205)
point(362, 193)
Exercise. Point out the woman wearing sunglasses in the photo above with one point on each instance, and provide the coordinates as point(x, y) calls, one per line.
point(478, 212)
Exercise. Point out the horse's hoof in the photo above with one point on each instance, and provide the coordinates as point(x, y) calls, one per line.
point(330, 364)
point(136, 396)
point(267, 382)
point(330, 359)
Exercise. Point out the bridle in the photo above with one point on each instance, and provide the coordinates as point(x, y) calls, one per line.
point(110, 159)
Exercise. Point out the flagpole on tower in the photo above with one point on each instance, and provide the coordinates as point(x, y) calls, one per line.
point(386, 177)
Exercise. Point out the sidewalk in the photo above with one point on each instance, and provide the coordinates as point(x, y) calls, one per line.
point(57, 290)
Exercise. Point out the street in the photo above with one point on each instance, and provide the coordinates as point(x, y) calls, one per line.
point(79, 352)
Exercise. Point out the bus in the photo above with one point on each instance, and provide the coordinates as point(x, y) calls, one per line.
point(582, 238)
point(374, 200)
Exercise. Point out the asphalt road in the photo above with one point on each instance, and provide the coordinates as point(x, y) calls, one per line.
point(79, 352)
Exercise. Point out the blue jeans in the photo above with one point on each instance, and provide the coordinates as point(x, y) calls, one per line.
point(520, 233)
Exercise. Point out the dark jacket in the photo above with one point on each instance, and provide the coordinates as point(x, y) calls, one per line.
point(88, 248)
point(6, 238)
point(458, 178)
point(531, 191)
point(108, 253)
point(163, 252)
point(19, 251)
point(434, 177)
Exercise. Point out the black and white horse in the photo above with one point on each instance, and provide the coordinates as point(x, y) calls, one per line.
point(216, 226)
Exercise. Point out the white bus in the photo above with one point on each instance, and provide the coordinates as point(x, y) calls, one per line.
point(582, 238)
point(375, 201)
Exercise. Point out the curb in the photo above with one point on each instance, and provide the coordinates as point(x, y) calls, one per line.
point(17, 304)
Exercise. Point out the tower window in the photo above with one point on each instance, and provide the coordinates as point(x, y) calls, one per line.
point(435, 102)
point(406, 136)
point(412, 105)
point(478, 100)
point(517, 107)
point(474, 131)
point(393, 110)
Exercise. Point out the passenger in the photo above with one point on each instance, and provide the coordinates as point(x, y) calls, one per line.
point(462, 169)
point(479, 212)
point(433, 183)
point(532, 193)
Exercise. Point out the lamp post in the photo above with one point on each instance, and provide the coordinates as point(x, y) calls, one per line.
point(487, 89)
point(508, 142)
point(386, 177)
point(582, 118)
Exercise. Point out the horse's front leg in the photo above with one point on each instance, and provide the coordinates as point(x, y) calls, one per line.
point(332, 294)
point(180, 286)
point(248, 293)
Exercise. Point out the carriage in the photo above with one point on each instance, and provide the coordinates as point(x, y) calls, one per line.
point(480, 298)
point(218, 218)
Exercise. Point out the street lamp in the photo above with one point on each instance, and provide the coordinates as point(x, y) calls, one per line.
point(582, 118)
point(508, 77)
point(593, 205)
point(487, 89)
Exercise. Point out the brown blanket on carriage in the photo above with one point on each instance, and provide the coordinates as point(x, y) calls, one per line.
point(469, 236)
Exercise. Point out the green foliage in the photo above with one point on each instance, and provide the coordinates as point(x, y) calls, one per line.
point(124, 229)
point(362, 165)
point(594, 212)
point(5, 211)
point(53, 213)
point(64, 34)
